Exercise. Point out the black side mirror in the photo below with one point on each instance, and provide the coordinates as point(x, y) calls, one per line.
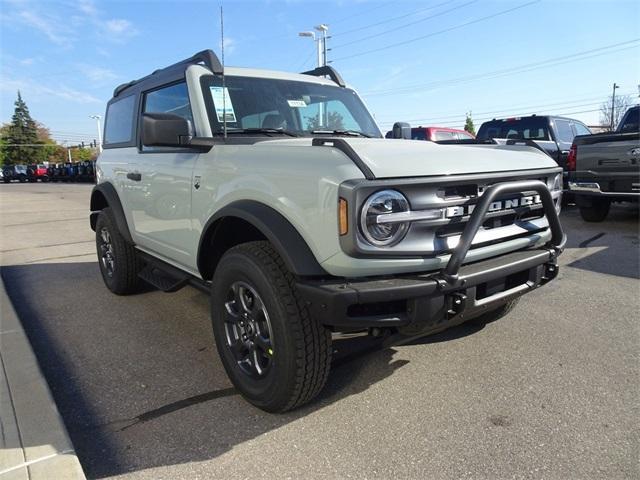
point(165, 130)
point(401, 130)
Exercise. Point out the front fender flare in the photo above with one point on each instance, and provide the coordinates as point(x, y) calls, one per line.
point(110, 195)
point(284, 237)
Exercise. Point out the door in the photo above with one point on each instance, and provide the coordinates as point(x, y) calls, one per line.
point(161, 198)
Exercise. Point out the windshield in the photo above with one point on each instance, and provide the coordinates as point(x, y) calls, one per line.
point(297, 107)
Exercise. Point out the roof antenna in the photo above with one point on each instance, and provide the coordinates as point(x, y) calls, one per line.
point(224, 89)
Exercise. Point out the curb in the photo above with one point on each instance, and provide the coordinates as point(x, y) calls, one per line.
point(35, 444)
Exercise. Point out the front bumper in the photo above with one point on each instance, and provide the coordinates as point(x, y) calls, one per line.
point(423, 300)
point(450, 296)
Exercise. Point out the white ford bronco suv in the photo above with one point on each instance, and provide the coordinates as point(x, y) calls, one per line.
point(276, 194)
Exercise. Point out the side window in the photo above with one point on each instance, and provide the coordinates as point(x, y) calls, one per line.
point(581, 129)
point(119, 122)
point(173, 99)
point(564, 131)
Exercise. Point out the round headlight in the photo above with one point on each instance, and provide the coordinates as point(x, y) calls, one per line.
point(377, 229)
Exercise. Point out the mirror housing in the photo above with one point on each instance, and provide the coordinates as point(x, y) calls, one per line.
point(165, 130)
point(401, 130)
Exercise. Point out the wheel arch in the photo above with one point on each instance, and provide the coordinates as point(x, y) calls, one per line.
point(105, 195)
point(248, 220)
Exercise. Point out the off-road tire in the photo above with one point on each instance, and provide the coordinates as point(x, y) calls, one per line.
point(597, 212)
point(124, 278)
point(496, 313)
point(301, 355)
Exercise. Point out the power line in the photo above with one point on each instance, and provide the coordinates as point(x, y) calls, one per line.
point(372, 25)
point(455, 27)
point(508, 110)
point(444, 12)
point(507, 71)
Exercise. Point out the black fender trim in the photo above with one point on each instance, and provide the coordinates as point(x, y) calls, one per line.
point(276, 228)
point(109, 193)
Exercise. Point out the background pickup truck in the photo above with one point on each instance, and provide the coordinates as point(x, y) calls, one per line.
point(605, 167)
point(552, 134)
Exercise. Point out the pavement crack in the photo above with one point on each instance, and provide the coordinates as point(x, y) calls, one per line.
point(592, 239)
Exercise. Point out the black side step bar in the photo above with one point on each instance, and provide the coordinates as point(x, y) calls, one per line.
point(165, 277)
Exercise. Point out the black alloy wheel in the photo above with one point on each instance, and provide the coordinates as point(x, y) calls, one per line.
point(248, 330)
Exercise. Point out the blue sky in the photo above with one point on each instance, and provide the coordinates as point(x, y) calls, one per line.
point(428, 62)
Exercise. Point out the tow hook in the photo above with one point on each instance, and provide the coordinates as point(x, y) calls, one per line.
point(456, 303)
point(550, 272)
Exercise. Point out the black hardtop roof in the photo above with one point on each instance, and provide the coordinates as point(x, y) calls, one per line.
point(207, 57)
point(210, 60)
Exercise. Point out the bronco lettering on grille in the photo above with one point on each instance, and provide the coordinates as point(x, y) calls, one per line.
point(525, 201)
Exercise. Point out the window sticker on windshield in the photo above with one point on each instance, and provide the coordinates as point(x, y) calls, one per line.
point(297, 103)
point(222, 104)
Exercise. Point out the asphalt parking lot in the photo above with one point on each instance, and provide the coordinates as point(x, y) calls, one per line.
point(550, 391)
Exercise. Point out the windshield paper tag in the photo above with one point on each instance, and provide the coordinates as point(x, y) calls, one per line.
point(297, 103)
point(223, 104)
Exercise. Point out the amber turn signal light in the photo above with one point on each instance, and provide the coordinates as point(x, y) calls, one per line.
point(342, 217)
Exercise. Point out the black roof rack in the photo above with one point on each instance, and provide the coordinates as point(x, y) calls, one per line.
point(326, 70)
point(207, 57)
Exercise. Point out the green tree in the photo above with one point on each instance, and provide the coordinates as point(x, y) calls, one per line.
point(468, 124)
point(335, 121)
point(21, 131)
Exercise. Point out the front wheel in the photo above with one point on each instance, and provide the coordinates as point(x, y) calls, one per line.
point(597, 211)
point(273, 351)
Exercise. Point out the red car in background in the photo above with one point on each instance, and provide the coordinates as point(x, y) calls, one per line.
point(438, 134)
point(37, 172)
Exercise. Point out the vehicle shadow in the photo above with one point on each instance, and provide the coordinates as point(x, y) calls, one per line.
point(137, 379)
point(616, 241)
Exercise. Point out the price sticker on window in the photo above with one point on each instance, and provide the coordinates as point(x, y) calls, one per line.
point(222, 104)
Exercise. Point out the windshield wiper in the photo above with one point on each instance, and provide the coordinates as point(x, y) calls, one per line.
point(267, 131)
point(354, 133)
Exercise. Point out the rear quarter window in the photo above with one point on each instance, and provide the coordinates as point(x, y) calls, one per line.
point(119, 122)
point(564, 131)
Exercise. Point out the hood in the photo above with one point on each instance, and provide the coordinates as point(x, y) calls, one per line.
point(391, 158)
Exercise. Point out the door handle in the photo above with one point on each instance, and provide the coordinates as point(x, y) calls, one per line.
point(135, 176)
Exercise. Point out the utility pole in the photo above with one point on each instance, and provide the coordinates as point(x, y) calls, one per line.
point(97, 119)
point(322, 52)
point(613, 106)
point(320, 40)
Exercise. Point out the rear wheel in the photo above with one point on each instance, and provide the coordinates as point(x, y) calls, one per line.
point(118, 259)
point(275, 354)
point(597, 212)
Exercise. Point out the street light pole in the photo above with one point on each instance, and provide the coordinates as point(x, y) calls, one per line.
point(97, 119)
point(613, 106)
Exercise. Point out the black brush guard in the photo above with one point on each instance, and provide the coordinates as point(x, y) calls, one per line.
point(433, 301)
